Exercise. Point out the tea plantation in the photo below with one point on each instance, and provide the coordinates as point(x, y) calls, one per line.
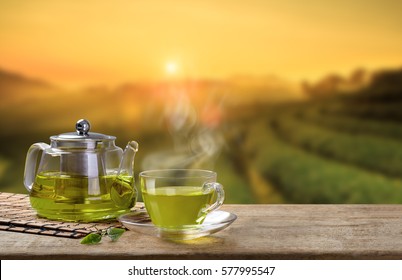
point(338, 149)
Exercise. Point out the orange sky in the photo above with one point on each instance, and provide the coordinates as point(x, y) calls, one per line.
point(76, 43)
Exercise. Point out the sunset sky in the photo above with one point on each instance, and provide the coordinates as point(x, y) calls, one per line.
point(76, 43)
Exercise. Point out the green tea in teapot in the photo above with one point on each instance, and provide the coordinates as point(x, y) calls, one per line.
point(81, 176)
point(78, 198)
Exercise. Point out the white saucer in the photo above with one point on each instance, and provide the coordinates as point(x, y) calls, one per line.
point(140, 222)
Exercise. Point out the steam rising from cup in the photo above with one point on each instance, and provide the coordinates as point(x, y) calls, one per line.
point(194, 125)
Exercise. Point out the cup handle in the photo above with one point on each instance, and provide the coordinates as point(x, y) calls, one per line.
point(220, 195)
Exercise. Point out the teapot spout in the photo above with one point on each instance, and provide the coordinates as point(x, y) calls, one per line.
point(123, 191)
point(127, 162)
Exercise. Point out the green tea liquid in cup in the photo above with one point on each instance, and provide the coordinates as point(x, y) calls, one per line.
point(180, 198)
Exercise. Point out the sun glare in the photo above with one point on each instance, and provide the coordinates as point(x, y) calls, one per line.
point(171, 68)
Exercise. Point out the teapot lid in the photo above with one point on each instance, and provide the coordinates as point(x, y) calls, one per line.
point(82, 127)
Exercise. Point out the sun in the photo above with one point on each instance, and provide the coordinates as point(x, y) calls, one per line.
point(171, 68)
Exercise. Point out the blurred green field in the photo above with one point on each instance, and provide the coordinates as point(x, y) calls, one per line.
point(353, 125)
point(336, 149)
point(306, 176)
point(362, 150)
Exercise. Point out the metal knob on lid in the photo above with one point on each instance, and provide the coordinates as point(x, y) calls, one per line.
point(82, 127)
point(82, 134)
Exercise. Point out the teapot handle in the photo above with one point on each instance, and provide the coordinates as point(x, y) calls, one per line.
point(30, 164)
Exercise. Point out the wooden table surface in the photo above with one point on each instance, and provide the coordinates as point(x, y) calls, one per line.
point(260, 232)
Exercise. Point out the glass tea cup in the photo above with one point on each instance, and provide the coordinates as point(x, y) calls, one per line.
point(180, 198)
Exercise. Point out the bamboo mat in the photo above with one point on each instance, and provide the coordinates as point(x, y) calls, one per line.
point(16, 214)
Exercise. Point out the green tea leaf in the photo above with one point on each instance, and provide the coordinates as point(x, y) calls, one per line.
point(115, 233)
point(92, 238)
point(122, 194)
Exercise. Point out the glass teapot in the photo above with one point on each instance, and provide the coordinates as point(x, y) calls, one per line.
point(81, 176)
